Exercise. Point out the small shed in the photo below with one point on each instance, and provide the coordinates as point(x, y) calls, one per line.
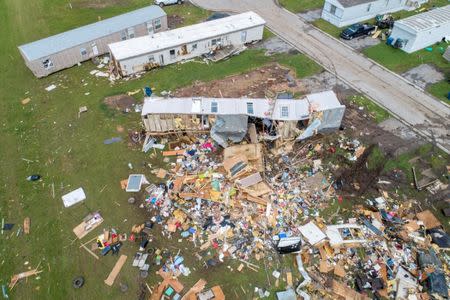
point(69, 48)
point(183, 43)
point(347, 12)
point(422, 30)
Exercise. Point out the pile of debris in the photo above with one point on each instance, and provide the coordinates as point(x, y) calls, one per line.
point(252, 200)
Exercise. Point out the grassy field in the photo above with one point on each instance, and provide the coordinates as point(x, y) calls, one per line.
point(327, 27)
point(298, 6)
point(377, 112)
point(400, 61)
point(46, 137)
point(440, 90)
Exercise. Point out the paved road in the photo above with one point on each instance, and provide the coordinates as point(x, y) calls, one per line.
point(423, 113)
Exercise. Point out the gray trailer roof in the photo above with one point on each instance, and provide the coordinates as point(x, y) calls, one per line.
point(84, 34)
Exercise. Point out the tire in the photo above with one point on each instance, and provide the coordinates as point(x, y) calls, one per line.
point(78, 282)
point(161, 4)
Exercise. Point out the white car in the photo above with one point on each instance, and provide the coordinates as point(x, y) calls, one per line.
point(161, 3)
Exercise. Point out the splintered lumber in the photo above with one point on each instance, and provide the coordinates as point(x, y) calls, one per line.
point(197, 288)
point(173, 152)
point(22, 275)
point(340, 289)
point(115, 271)
point(289, 279)
point(173, 282)
point(257, 200)
point(26, 225)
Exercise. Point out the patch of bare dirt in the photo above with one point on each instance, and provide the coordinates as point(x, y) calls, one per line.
point(254, 84)
point(120, 102)
point(174, 21)
point(360, 125)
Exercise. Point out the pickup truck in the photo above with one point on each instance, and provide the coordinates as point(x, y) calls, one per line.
point(162, 3)
point(357, 30)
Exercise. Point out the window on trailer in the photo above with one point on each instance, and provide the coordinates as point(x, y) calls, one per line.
point(123, 35)
point(194, 47)
point(83, 51)
point(157, 24)
point(333, 9)
point(172, 54)
point(243, 36)
point(250, 108)
point(284, 112)
point(214, 107)
point(151, 58)
point(215, 42)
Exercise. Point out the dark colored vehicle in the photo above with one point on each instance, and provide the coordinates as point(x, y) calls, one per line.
point(357, 30)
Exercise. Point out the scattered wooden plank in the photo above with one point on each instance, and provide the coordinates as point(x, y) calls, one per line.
point(115, 271)
point(89, 251)
point(173, 152)
point(26, 225)
point(197, 288)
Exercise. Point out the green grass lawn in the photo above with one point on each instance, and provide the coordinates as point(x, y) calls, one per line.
point(298, 6)
point(378, 113)
point(302, 65)
point(400, 61)
point(440, 90)
point(328, 27)
point(68, 152)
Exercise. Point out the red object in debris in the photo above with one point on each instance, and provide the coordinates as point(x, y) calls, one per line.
point(332, 150)
point(340, 199)
point(132, 238)
point(215, 245)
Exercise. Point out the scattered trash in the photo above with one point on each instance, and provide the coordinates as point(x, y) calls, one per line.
point(112, 140)
point(34, 177)
point(25, 101)
point(50, 88)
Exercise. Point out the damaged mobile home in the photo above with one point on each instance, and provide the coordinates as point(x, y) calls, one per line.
point(147, 52)
point(228, 118)
point(64, 50)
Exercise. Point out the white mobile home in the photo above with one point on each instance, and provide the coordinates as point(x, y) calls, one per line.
point(69, 48)
point(422, 30)
point(161, 115)
point(346, 12)
point(172, 46)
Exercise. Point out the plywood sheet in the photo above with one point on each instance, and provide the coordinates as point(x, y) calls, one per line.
point(116, 270)
point(428, 219)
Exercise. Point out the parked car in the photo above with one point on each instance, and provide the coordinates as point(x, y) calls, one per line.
point(357, 30)
point(161, 3)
